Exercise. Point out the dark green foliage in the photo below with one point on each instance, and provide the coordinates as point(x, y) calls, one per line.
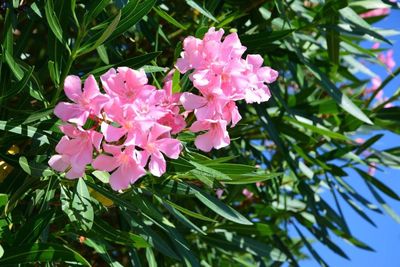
point(177, 220)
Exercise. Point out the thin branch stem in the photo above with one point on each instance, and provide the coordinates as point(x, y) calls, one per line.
point(384, 83)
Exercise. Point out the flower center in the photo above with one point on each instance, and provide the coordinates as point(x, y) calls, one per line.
point(151, 148)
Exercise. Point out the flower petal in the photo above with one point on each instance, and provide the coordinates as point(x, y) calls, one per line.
point(105, 163)
point(204, 142)
point(59, 162)
point(73, 87)
point(111, 133)
point(191, 101)
point(170, 147)
point(157, 165)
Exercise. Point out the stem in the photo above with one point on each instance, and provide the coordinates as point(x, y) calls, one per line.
point(391, 99)
point(384, 83)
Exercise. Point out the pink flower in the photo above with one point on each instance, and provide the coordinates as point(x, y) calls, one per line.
point(375, 13)
point(86, 102)
point(359, 140)
point(207, 106)
point(158, 141)
point(126, 84)
point(257, 91)
point(216, 137)
point(170, 102)
point(248, 194)
point(222, 77)
point(376, 82)
point(126, 164)
point(75, 150)
point(387, 59)
point(372, 169)
point(219, 192)
point(130, 124)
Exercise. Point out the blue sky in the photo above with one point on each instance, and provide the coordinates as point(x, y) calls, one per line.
point(385, 238)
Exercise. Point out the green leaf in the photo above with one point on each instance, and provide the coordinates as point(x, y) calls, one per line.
point(176, 88)
point(206, 174)
point(189, 212)
point(95, 9)
point(3, 199)
point(130, 19)
point(151, 259)
point(104, 36)
point(383, 203)
point(15, 68)
point(316, 128)
point(77, 205)
point(108, 232)
point(202, 10)
point(219, 207)
point(338, 96)
point(81, 204)
point(262, 40)
point(101, 249)
point(168, 18)
point(23, 162)
point(41, 252)
point(360, 24)
point(33, 227)
point(36, 134)
point(316, 256)
point(182, 218)
point(378, 184)
point(102, 176)
point(101, 50)
point(53, 21)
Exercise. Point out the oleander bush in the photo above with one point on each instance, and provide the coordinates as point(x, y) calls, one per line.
point(191, 133)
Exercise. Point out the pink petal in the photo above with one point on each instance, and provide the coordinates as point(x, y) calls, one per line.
point(73, 87)
point(71, 130)
point(119, 179)
point(91, 89)
point(204, 142)
point(157, 165)
point(76, 171)
point(105, 163)
point(59, 163)
point(135, 78)
point(81, 119)
point(71, 112)
point(255, 60)
point(96, 138)
point(267, 74)
point(105, 79)
point(63, 145)
point(158, 130)
point(191, 101)
point(111, 133)
point(170, 147)
point(84, 155)
point(198, 126)
point(125, 175)
point(114, 150)
point(220, 135)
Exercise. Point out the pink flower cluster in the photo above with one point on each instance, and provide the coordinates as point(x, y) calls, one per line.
point(129, 128)
point(132, 127)
point(222, 77)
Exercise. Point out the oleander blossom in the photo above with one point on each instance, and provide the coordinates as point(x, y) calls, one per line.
point(131, 130)
point(128, 127)
point(222, 76)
